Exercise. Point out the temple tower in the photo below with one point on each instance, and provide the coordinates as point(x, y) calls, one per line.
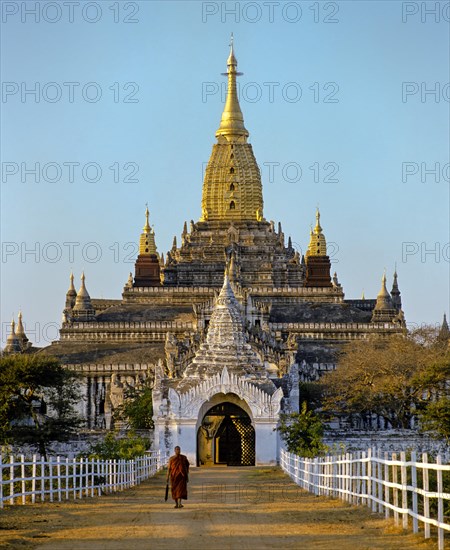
point(12, 342)
point(147, 266)
point(384, 310)
point(444, 331)
point(20, 333)
point(395, 293)
point(83, 309)
point(318, 264)
point(71, 295)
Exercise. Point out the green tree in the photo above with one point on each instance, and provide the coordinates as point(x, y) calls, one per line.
point(137, 409)
point(37, 401)
point(434, 409)
point(114, 447)
point(303, 433)
point(435, 418)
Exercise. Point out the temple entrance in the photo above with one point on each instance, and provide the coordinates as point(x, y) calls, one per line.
point(226, 436)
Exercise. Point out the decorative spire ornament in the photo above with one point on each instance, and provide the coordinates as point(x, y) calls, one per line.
point(232, 122)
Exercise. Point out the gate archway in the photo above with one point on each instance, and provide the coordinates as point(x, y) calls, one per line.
point(226, 436)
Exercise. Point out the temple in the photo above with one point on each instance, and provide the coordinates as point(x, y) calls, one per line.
point(225, 326)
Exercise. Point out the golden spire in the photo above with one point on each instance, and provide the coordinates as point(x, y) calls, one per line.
point(146, 227)
point(318, 228)
point(147, 245)
point(232, 188)
point(232, 122)
point(317, 243)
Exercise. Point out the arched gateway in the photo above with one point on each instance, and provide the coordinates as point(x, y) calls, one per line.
point(226, 436)
point(224, 408)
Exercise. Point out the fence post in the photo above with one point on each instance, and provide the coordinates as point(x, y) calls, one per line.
point(74, 478)
point(81, 476)
point(380, 482)
point(316, 467)
point(395, 489)
point(336, 476)
point(358, 478)
point(353, 494)
point(58, 474)
point(440, 502)
point(374, 479)
point(328, 476)
point(42, 479)
point(363, 479)
point(67, 476)
point(386, 487)
point(414, 486)
point(348, 477)
point(369, 478)
point(50, 478)
point(404, 477)
point(22, 475)
point(33, 480)
point(11, 479)
point(426, 498)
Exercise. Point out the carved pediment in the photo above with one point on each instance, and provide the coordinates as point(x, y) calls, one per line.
point(262, 404)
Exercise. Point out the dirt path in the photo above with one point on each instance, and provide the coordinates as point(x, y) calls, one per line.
point(228, 508)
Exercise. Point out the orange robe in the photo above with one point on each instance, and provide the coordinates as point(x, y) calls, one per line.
point(179, 472)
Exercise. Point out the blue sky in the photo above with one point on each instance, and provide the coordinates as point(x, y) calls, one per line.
point(323, 96)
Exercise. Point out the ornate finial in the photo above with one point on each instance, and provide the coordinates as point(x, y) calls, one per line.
point(231, 58)
point(146, 227)
point(232, 122)
point(83, 305)
point(71, 287)
point(383, 290)
point(318, 228)
point(362, 295)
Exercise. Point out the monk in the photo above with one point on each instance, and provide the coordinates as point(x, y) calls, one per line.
point(178, 471)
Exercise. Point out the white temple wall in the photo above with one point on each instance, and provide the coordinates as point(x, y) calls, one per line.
point(266, 443)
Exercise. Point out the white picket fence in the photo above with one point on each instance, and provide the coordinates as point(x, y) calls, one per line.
point(24, 481)
point(383, 483)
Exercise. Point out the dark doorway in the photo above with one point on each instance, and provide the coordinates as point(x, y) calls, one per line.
point(226, 436)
